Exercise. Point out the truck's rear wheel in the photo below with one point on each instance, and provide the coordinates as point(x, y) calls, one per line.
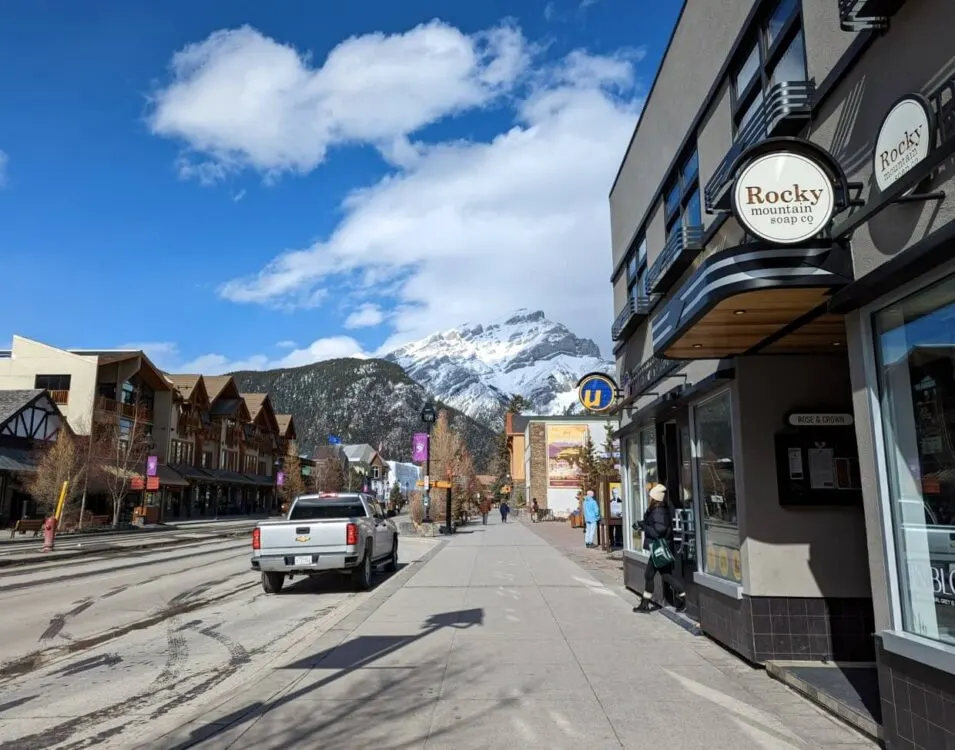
point(272, 582)
point(361, 576)
point(392, 565)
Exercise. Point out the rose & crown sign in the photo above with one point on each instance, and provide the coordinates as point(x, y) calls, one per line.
point(784, 197)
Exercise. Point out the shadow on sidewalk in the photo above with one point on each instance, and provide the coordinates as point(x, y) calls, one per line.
point(333, 583)
point(390, 706)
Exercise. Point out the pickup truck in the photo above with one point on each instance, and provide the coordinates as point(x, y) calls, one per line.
point(346, 532)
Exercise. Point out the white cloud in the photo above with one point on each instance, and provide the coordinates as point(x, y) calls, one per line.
point(240, 100)
point(287, 344)
point(167, 356)
point(4, 160)
point(366, 316)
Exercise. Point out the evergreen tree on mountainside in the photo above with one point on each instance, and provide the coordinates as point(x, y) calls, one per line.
point(517, 404)
point(360, 401)
point(590, 469)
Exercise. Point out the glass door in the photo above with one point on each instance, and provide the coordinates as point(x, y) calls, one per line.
point(679, 481)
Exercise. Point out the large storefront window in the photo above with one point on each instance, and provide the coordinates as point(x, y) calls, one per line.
point(915, 345)
point(713, 425)
point(643, 470)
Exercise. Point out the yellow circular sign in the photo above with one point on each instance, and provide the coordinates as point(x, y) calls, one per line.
point(737, 566)
point(724, 562)
point(597, 392)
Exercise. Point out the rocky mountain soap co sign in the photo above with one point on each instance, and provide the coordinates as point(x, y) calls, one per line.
point(784, 198)
point(905, 139)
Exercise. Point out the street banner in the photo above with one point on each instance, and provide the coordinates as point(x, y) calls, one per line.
point(334, 440)
point(419, 447)
point(280, 478)
point(152, 466)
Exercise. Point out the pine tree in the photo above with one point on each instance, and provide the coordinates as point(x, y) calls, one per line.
point(395, 499)
point(590, 469)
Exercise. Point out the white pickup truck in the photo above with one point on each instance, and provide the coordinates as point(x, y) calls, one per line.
point(347, 532)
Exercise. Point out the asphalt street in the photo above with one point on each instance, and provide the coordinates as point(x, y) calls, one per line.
point(93, 651)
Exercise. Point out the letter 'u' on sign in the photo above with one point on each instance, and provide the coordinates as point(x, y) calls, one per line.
point(597, 392)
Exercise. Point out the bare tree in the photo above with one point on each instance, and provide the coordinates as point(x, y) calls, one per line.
point(120, 448)
point(293, 484)
point(329, 475)
point(57, 462)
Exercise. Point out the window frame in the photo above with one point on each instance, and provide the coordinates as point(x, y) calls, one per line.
point(728, 392)
point(768, 57)
point(686, 183)
point(895, 638)
point(637, 281)
point(62, 382)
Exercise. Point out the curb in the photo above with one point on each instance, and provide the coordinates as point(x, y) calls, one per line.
point(41, 557)
point(258, 699)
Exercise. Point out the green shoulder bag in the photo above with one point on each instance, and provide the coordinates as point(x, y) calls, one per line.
point(660, 554)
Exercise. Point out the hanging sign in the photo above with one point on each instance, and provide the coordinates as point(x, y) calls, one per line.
point(905, 139)
point(784, 198)
point(597, 392)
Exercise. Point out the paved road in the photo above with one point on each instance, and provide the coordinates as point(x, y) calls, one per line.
point(116, 643)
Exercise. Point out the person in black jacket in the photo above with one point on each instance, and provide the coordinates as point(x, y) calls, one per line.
point(657, 523)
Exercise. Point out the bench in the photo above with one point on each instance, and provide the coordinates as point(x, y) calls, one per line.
point(545, 514)
point(27, 524)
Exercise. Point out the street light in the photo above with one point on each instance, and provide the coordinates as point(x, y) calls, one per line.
point(429, 416)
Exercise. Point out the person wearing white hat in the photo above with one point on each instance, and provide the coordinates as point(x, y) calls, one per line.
point(657, 528)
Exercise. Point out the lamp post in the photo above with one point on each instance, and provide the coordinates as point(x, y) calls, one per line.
point(429, 416)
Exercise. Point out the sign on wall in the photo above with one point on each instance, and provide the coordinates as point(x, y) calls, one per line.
point(565, 442)
point(784, 198)
point(905, 139)
point(820, 420)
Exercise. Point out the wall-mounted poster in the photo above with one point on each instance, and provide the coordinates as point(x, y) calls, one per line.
point(564, 445)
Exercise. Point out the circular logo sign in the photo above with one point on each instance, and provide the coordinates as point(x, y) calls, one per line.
point(597, 392)
point(905, 139)
point(784, 198)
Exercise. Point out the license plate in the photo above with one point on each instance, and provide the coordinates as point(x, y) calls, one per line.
point(303, 559)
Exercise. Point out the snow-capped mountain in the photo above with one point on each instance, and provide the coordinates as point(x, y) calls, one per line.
point(475, 368)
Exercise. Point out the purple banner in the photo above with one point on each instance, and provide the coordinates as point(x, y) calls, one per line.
point(152, 466)
point(280, 478)
point(419, 447)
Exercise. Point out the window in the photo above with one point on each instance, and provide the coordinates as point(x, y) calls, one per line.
point(915, 347)
point(637, 272)
point(682, 202)
point(52, 382)
point(713, 432)
point(777, 54)
point(642, 467)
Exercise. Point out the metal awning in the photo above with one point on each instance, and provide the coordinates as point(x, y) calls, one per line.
point(170, 478)
point(16, 459)
point(259, 480)
point(192, 473)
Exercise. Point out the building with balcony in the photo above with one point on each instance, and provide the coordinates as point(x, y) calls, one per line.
point(370, 467)
point(781, 231)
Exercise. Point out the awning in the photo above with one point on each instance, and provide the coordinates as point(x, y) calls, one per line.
point(224, 476)
point(753, 297)
point(192, 473)
point(259, 480)
point(16, 459)
point(170, 478)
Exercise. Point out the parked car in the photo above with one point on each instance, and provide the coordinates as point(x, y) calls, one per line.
point(347, 532)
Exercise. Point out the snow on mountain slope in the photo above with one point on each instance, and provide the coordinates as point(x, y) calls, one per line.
point(476, 368)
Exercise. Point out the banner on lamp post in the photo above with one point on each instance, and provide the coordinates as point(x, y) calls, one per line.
point(152, 466)
point(280, 479)
point(419, 447)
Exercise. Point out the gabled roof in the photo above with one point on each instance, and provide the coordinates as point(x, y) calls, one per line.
point(260, 410)
point(185, 384)
point(155, 377)
point(361, 453)
point(286, 425)
point(221, 385)
point(13, 402)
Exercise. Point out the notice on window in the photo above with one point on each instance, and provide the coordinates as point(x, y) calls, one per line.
point(821, 469)
point(795, 463)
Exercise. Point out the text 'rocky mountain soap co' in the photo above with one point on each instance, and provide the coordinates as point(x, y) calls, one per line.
point(784, 198)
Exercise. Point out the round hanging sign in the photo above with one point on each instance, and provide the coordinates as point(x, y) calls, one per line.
point(597, 392)
point(905, 139)
point(784, 198)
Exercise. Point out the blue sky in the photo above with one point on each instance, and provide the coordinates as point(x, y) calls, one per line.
point(237, 183)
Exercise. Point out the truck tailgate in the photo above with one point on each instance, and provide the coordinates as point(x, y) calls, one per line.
point(298, 537)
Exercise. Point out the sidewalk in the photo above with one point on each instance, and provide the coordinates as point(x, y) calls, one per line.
point(498, 640)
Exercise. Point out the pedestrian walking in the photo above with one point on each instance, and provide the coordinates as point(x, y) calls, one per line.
point(49, 532)
point(535, 509)
point(591, 517)
point(485, 509)
point(657, 528)
point(505, 509)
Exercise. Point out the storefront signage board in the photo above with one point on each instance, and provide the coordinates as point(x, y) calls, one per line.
point(784, 198)
point(820, 420)
point(905, 140)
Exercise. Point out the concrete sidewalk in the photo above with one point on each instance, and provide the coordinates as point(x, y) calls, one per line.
point(500, 641)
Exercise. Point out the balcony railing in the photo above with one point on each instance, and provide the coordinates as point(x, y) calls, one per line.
point(635, 310)
point(682, 246)
point(786, 104)
point(867, 15)
point(60, 397)
point(127, 411)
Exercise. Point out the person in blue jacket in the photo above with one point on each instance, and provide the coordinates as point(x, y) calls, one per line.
point(591, 516)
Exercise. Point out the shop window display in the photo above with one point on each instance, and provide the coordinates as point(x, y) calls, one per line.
point(915, 349)
point(713, 431)
point(642, 468)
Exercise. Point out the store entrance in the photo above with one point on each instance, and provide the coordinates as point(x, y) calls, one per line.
point(677, 473)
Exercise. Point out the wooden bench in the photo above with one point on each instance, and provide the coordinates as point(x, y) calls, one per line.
point(27, 524)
